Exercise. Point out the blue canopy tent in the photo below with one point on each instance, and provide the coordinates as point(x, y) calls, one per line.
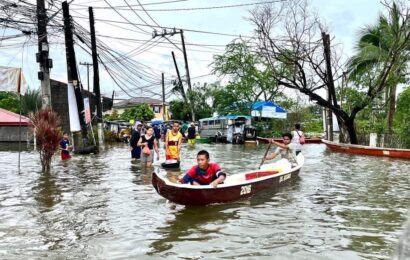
point(156, 122)
point(268, 109)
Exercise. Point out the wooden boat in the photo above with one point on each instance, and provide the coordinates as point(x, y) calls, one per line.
point(235, 187)
point(170, 164)
point(308, 140)
point(367, 150)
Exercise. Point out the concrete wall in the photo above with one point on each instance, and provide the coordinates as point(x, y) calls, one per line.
point(11, 134)
point(59, 101)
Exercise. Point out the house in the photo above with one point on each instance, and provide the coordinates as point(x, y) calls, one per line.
point(155, 104)
point(9, 127)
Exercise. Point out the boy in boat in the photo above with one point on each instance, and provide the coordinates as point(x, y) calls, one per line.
point(173, 142)
point(205, 172)
point(65, 147)
point(287, 150)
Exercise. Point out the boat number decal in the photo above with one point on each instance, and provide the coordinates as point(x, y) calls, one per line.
point(285, 177)
point(386, 152)
point(246, 189)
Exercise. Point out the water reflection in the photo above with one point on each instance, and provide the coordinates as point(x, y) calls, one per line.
point(47, 193)
point(192, 224)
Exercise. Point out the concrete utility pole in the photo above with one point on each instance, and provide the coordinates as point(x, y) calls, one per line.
point(331, 94)
point(96, 85)
point(72, 75)
point(88, 73)
point(155, 34)
point(42, 55)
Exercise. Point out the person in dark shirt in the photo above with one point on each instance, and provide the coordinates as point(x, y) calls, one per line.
point(205, 173)
point(135, 137)
point(191, 134)
point(157, 132)
point(65, 147)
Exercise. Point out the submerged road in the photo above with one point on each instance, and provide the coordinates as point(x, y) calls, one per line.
point(104, 207)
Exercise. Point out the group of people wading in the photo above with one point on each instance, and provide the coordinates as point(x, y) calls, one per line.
point(144, 143)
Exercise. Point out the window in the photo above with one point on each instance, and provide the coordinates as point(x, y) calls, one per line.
point(211, 122)
point(205, 123)
point(217, 122)
point(157, 109)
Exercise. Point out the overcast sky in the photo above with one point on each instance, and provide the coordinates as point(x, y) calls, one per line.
point(344, 17)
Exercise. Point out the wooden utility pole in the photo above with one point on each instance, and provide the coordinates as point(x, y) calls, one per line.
point(155, 34)
point(42, 55)
point(88, 73)
point(163, 97)
point(331, 92)
point(72, 75)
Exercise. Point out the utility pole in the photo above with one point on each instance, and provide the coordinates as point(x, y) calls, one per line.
point(155, 34)
point(42, 55)
point(179, 78)
point(96, 85)
point(72, 75)
point(163, 97)
point(331, 92)
point(88, 73)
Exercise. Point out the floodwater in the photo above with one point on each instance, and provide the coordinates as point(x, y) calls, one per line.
point(104, 207)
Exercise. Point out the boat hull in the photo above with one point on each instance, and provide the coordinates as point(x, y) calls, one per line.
point(366, 150)
point(203, 196)
point(308, 140)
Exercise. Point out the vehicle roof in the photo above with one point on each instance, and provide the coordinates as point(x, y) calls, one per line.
point(225, 117)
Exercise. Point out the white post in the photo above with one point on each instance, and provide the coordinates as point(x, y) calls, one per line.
point(100, 133)
point(373, 140)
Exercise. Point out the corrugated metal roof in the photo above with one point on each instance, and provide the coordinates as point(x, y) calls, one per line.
point(8, 118)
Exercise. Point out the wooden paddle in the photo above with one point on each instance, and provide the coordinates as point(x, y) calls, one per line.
point(266, 153)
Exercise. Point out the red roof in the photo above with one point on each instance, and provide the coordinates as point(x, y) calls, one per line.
point(8, 118)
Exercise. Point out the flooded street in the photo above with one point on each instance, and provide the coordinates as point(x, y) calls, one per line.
point(104, 207)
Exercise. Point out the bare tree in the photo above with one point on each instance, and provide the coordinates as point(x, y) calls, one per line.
point(292, 36)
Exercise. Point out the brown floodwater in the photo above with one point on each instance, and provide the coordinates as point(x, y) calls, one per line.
point(104, 207)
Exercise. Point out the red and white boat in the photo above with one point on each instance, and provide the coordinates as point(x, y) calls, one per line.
point(367, 150)
point(235, 186)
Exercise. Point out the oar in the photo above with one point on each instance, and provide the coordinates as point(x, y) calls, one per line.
point(266, 153)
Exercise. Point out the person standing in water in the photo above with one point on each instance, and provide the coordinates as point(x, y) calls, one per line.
point(173, 142)
point(148, 144)
point(65, 147)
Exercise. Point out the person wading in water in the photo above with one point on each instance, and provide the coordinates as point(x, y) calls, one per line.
point(173, 142)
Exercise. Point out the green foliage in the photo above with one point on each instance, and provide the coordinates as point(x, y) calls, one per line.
point(31, 101)
point(402, 119)
point(199, 95)
point(250, 79)
point(139, 112)
point(179, 110)
point(9, 101)
point(113, 116)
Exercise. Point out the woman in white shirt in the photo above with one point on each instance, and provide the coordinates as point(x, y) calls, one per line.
point(296, 135)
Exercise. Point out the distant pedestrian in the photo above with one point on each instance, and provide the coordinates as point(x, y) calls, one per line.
point(298, 138)
point(135, 137)
point(65, 147)
point(191, 134)
point(184, 128)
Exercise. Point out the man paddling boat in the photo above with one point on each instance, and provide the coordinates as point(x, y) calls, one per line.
point(286, 150)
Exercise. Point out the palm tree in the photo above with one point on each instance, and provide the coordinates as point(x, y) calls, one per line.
point(374, 48)
point(31, 101)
